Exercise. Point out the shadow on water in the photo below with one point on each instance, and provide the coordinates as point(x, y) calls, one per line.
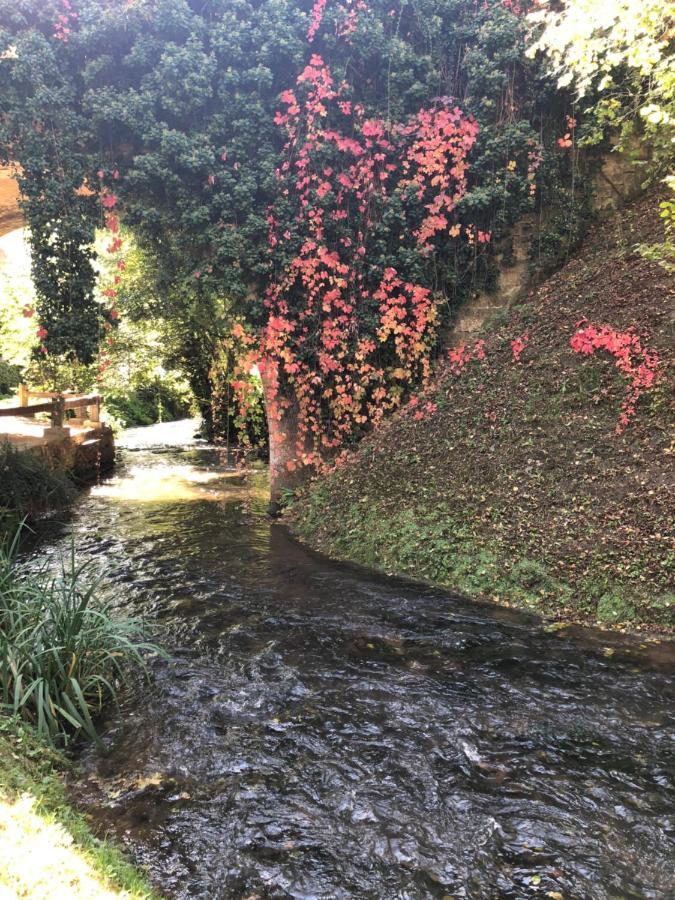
point(323, 732)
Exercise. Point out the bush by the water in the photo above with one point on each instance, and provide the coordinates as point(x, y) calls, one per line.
point(10, 376)
point(63, 653)
point(29, 485)
point(158, 399)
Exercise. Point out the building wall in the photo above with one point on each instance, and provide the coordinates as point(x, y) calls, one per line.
point(10, 215)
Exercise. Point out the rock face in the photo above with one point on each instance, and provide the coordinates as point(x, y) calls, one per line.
point(619, 178)
point(10, 214)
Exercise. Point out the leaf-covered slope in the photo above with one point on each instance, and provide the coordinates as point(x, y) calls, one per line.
point(516, 485)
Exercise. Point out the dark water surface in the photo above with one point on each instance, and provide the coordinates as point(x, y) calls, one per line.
point(321, 732)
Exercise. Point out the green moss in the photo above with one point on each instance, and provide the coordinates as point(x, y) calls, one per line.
point(439, 544)
point(613, 608)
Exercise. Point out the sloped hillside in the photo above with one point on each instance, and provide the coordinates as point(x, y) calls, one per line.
point(508, 478)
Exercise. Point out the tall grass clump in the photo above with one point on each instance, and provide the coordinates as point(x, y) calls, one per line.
point(63, 654)
point(29, 485)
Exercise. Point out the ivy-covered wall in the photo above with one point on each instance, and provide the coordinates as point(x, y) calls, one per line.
point(187, 122)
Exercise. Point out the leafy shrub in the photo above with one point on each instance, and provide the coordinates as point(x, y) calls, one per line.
point(10, 376)
point(156, 400)
point(62, 653)
point(137, 383)
point(237, 403)
point(54, 372)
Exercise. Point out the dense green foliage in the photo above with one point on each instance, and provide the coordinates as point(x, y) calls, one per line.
point(62, 651)
point(142, 380)
point(10, 376)
point(165, 110)
point(620, 59)
point(17, 331)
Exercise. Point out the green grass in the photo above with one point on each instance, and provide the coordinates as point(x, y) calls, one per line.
point(34, 803)
point(438, 543)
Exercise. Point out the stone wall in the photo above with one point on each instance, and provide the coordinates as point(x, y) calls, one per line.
point(514, 278)
point(617, 181)
point(619, 178)
point(86, 459)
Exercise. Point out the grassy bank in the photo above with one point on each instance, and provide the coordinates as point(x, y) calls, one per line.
point(64, 654)
point(46, 848)
point(507, 480)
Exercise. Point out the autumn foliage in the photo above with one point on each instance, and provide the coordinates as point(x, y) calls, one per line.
point(334, 179)
point(640, 365)
point(344, 338)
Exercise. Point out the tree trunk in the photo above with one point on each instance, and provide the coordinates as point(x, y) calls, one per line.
point(283, 436)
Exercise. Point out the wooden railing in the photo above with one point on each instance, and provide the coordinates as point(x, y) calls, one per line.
point(56, 404)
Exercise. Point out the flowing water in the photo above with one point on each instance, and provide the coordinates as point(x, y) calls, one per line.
point(324, 732)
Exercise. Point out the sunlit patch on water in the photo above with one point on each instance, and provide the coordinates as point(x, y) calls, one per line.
point(170, 484)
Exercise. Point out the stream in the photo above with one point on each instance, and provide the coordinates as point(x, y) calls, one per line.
point(321, 731)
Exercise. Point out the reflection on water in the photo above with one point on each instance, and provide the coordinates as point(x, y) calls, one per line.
point(322, 732)
point(168, 484)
